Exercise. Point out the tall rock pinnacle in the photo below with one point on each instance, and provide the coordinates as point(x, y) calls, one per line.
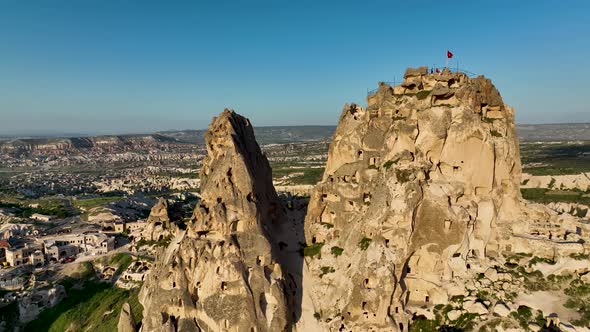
point(419, 188)
point(221, 273)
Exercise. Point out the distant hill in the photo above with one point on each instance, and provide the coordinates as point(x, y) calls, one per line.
point(269, 135)
point(264, 135)
point(554, 132)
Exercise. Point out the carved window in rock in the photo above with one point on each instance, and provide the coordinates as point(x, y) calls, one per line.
point(360, 154)
point(427, 299)
point(448, 224)
point(235, 225)
point(223, 285)
point(349, 206)
point(356, 176)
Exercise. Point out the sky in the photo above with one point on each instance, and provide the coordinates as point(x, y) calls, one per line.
point(135, 66)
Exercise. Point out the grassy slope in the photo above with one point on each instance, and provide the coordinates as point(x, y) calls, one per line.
point(90, 203)
point(94, 307)
point(90, 305)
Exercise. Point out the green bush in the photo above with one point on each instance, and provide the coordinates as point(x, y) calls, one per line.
point(390, 163)
point(161, 243)
point(326, 270)
point(483, 295)
point(537, 259)
point(523, 315)
point(327, 225)
point(403, 175)
point(364, 243)
point(313, 250)
point(495, 133)
point(422, 324)
point(336, 251)
point(580, 256)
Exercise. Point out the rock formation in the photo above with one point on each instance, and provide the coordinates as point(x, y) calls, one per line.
point(126, 322)
point(421, 190)
point(574, 181)
point(220, 274)
point(159, 224)
point(419, 205)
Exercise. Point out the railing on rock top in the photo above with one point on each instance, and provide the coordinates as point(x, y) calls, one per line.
point(430, 71)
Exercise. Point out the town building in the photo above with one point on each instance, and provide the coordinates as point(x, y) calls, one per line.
point(42, 217)
point(71, 245)
point(130, 226)
point(30, 253)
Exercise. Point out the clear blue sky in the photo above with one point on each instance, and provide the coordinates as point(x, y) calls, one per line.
point(110, 66)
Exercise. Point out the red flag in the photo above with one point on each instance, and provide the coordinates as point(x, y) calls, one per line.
point(449, 54)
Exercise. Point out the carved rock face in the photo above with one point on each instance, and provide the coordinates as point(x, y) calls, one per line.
point(159, 225)
point(419, 196)
point(410, 198)
point(221, 273)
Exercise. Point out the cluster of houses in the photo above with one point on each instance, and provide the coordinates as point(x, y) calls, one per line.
point(63, 245)
point(54, 249)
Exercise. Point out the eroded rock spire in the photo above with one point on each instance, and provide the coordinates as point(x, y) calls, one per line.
point(221, 273)
point(419, 188)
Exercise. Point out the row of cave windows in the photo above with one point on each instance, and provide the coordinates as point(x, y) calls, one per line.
point(259, 261)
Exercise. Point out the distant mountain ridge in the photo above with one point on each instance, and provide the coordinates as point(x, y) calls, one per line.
point(268, 135)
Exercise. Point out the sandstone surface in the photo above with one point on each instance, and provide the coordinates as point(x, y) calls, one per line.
point(419, 206)
point(421, 193)
point(220, 274)
point(126, 323)
point(160, 221)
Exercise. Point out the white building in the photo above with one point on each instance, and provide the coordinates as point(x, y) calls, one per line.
point(42, 217)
